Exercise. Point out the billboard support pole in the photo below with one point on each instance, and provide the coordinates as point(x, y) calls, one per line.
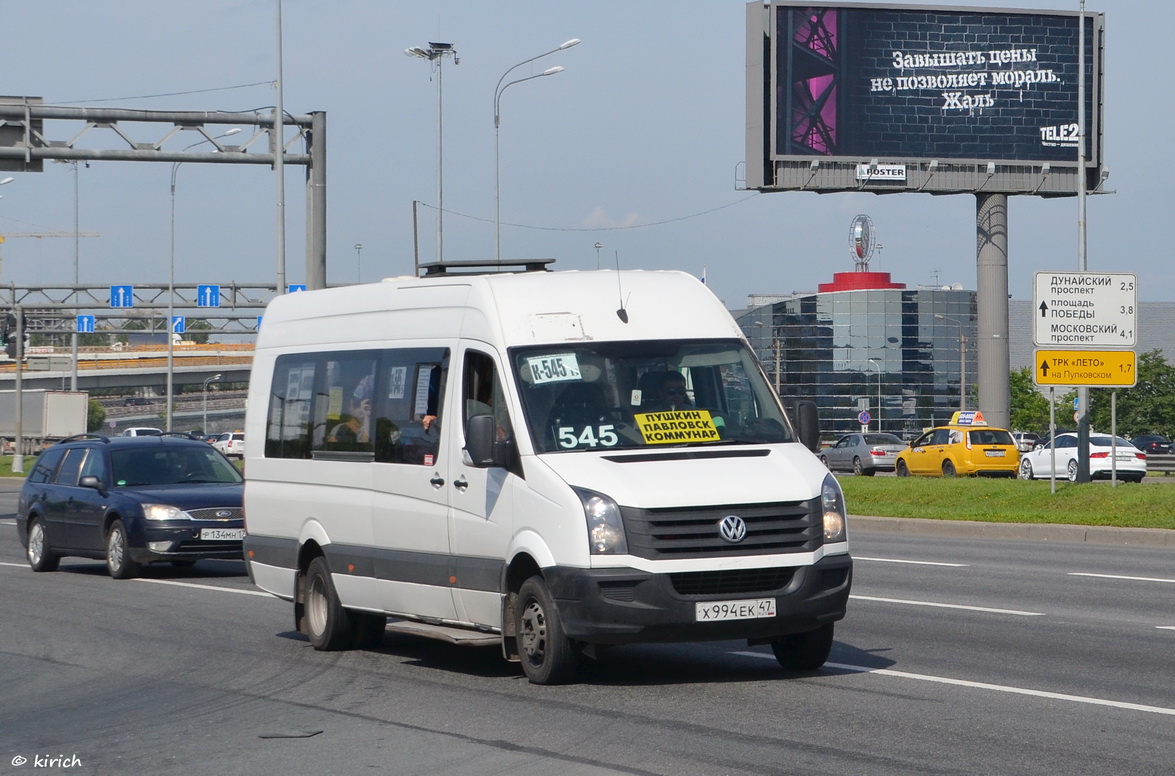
point(991, 232)
point(1082, 264)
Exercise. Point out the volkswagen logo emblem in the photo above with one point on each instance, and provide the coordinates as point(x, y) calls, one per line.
point(733, 529)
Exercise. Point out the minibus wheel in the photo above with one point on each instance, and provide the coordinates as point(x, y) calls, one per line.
point(327, 623)
point(548, 656)
point(804, 651)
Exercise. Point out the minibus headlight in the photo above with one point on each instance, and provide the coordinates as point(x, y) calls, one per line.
point(164, 512)
point(832, 505)
point(604, 524)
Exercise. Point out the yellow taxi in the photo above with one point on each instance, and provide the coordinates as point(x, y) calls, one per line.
point(966, 446)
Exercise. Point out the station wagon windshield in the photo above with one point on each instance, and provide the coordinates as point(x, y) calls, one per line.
point(652, 394)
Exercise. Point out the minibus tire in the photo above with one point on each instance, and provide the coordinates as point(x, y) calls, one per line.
point(547, 655)
point(804, 651)
point(328, 625)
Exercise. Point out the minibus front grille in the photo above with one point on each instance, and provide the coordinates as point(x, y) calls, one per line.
point(732, 582)
point(693, 532)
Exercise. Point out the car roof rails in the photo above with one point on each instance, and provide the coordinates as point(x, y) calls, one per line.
point(80, 437)
point(451, 268)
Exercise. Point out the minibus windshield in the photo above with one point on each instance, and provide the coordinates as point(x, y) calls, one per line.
point(645, 394)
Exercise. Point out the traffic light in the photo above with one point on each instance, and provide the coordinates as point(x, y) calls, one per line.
point(11, 329)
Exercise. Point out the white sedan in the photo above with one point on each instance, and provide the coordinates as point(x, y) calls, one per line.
point(1128, 460)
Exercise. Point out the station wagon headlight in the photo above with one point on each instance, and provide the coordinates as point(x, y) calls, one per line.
point(832, 504)
point(604, 524)
point(164, 512)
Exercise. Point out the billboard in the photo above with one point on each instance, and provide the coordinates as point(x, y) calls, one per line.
point(898, 98)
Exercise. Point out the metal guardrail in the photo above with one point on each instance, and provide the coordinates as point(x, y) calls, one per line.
point(1160, 463)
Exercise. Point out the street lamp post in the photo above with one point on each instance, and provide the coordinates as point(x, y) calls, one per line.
point(877, 364)
point(436, 52)
point(214, 379)
point(497, 124)
point(171, 284)
point(962, 359)
point(358, 262)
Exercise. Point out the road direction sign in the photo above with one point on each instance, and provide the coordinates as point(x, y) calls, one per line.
point(85, 324)
point(1093, 368)
point(1085, 309)
point(122, 296)
point(294, 288)
point(208, 296)
point(179, 324)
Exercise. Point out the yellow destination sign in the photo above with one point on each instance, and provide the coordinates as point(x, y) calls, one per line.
point(1092, 368)
point(663, 428)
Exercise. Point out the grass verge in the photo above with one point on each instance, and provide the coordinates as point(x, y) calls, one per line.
point(1012, 501)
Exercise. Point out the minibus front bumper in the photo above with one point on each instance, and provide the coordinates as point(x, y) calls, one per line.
point(621, 606)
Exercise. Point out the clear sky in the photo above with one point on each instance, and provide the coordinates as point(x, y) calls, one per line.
point(636, 145)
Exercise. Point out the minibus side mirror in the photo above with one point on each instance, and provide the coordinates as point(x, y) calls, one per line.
point(808, 420)
point(480, 433)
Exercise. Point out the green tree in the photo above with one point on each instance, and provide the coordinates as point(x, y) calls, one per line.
point(95, 416)
point(1030, 409)
point(1148, 407)
point(198, 331)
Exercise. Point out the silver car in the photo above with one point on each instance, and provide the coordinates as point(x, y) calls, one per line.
point(865, 453)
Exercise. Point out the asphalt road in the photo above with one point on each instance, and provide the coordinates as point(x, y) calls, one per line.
point(959, 656)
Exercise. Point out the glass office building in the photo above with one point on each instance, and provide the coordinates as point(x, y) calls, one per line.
point(864, 344)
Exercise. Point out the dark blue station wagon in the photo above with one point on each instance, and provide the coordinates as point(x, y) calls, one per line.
point(130, 501)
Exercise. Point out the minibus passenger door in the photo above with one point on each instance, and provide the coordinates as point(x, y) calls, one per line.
point(481, 496)
point(411, 490)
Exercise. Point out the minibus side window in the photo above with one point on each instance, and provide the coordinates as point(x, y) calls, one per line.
point(350, 386)
point(289, 428)
point(410, 398)
point(482, 393)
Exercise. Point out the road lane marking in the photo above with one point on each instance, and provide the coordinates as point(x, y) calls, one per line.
point(16, 565)
point(1004, 688)
point(913, 562)
point(1116, 576)
point(1165, 627)
point(987, 609)
point(217, 588)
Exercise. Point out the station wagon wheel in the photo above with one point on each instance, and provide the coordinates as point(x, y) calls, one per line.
point(118, 554)
point(1025, 469)
point(328, 624)
point(41, 557)
point(902, 470)
point(548, 656)
point(948, 469)
point(1073, 470)
point(804, 651)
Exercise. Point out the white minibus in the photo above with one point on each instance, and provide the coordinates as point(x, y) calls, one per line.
point(555, 462)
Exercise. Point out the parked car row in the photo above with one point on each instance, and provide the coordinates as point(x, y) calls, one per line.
point(973, 448)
